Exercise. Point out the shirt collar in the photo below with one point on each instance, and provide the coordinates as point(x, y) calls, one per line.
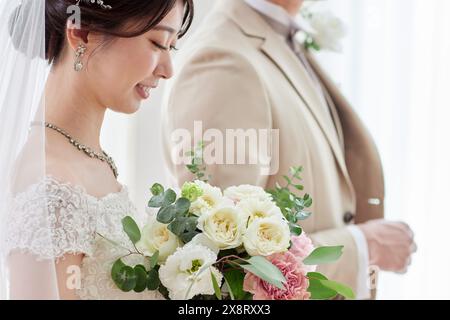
point(276, 16)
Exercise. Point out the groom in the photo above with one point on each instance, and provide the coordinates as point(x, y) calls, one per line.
point(244, 70)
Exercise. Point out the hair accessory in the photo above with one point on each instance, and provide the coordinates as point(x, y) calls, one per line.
point(99, 2)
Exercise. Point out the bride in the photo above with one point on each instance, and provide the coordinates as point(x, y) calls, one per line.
point(59, 192)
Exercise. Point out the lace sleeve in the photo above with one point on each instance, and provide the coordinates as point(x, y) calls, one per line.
point(50, 220)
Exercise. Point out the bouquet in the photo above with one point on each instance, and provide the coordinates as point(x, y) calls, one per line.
point(241, 243)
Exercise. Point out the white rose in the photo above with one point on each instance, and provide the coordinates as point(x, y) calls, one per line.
point(223, 226)
point(156, 237)
point(328, 30)
point(267, 236)
point(211, 198)
point(245, 191)
point(256, 209)
point(181, 271)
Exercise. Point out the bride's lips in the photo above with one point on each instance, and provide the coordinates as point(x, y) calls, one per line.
point(143, 91)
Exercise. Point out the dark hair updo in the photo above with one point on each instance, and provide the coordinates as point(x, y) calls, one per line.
point(143, 15)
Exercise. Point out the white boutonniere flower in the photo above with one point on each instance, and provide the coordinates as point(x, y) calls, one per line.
point(322, 30)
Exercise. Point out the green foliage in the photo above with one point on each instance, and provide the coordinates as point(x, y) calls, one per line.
point(291, 205)
point(323, 289)
point(324, 255)
point(197, 166)
point(264, 269)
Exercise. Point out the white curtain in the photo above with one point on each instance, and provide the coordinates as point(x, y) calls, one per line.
point(395, 69)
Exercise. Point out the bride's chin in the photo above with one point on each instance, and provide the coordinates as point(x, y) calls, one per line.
point(130, 109)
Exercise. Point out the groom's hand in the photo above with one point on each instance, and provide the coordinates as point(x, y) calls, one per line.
point(391, 244)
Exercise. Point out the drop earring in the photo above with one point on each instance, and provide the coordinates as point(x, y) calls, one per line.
point(81, 50)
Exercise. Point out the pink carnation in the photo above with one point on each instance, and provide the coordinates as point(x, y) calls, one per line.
point(296, 281)
point(302, 247)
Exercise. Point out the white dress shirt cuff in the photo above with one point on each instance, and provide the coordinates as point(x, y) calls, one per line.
point(362, 290)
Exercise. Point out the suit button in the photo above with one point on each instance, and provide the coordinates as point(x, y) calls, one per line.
point(348, 217)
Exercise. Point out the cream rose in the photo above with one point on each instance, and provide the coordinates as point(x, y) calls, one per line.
point(254, 208)
point(210, 199)
point(223, 226)
point(245, 191)
point(267, 236)
point(156, 237)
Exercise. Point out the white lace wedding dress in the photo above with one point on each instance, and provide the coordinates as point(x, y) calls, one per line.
point(77, 220)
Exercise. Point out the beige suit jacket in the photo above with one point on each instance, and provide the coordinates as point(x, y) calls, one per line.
point(237, 73)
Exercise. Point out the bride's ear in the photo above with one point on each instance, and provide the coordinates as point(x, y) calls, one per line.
point(76, 36)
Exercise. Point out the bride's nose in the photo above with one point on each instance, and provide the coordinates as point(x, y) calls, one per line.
point(165, 68)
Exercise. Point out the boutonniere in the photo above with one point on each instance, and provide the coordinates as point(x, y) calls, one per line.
point(322, 30)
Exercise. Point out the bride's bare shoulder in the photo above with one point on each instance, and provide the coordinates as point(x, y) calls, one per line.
point(36, 163)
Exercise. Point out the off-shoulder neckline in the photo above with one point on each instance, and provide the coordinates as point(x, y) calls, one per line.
point(82, 190)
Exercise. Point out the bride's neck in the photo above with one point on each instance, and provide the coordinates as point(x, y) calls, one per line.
point(69, 107)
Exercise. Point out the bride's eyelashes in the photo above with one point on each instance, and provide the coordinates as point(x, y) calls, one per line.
point(163, 48)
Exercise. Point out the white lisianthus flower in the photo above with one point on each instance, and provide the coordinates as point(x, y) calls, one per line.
point(329, 30)
point(182, 271)
point(211, 198)
point(223, 226)
point(245, 191)
point(156, 237)
point(254, 208)
point(267, 236)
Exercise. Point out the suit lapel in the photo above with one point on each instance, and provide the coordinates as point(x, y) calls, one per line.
point(289, 64)
point(274, 47)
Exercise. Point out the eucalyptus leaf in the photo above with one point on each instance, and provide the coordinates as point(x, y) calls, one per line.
point(308, 202)
point(183, 225)
point(157, 189)
point(126, 279)
point(264, 269)
point(295, 229)
point(303, 215)
point(182, 206)
point(169, 197)
point(154, 260)
point(156, 201)
point(166, 214)
point(177, 226)
point(115, 271)
point(153, 281)
point(290, 216)
point(324, 255)
point(131, 229)
point(188, 236)
point(141, 278)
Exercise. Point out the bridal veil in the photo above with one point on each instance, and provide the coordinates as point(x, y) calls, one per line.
point(24, 273)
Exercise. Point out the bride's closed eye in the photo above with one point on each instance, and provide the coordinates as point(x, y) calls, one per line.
point(163, 48)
